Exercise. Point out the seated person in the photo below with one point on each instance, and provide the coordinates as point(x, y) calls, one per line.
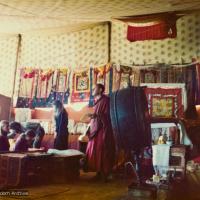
point(38, 137)
point(4, 129)
point(24, 141)
point(15, 130)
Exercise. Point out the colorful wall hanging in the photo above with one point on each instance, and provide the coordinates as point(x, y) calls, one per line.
point(44, 83)
point(81, 86)
point(43, 89)
point(27, 87)
point(62, 80)
point(150, 76)
point(135, 77)
point(163, 102)
point(162, 106)
point(27, 83)
point(122, 77)
point(57, 88)
point(103, 75)
point(49, 85)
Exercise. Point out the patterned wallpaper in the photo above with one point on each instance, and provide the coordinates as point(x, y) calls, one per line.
point(185, 46)
point(8, 52)
point(71, 49)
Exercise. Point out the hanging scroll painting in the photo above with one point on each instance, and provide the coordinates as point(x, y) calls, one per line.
point(135, 77)
point(164, 102)
point(60, 87)
point(27, 82)
point(162, 106)
point(62, 80)
point(44, 86)
point(40, 88)
point(150, 76)
point(122, 77)
point(103, 75)
point(27, 88)
point(44, 83)
point(81, 86)
point(125, 80)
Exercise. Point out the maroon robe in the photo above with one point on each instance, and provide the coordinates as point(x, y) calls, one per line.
point(4, 143)
point(21, 144)
point(101, 146)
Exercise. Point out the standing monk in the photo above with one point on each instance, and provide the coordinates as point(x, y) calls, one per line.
point(100, 151)
point(61, 126)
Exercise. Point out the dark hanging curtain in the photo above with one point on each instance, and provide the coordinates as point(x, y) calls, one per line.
point(197, 96)
point(190, 75)
point(129, 116)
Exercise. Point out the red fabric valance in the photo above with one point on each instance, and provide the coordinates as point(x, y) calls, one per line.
point(161, 30)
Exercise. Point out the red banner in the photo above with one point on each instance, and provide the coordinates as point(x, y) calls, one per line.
point(161, 30)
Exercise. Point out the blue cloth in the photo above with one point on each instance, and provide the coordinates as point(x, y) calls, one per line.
point(91, 100)
point(43, 102)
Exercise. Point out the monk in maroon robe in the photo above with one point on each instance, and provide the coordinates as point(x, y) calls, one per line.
point(24, 141)
point(100, 151)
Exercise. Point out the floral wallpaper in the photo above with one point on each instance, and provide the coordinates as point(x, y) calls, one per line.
point(8, 53)
point(72, 49)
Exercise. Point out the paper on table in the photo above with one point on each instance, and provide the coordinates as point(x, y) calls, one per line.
point(68, 152)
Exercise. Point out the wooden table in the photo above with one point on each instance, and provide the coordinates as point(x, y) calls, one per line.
point(22, 169)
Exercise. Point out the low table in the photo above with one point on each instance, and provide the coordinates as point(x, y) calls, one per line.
point(22, 169)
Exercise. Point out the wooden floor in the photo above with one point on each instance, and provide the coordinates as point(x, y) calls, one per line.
point(88, 189)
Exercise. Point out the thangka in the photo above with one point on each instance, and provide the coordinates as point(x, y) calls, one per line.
point(27, 82)
point(164, 102)
point(103, 75)
point(149, 76)
point(81, 86)
point(43, 89)
point(40, 88)
point(124, 77)
point(44, 83)
point(60, 87)
point(27, 87)
point(62, 80)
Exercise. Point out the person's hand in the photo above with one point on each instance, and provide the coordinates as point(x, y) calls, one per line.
point(92, 116)
point(55, 134)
